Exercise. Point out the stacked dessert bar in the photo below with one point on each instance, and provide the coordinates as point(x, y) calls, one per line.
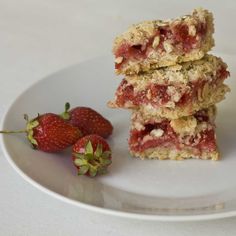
point(171, 85)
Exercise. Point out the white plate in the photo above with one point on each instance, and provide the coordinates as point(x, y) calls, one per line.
point(151, 190)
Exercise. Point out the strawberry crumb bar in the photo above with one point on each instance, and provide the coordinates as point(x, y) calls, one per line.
point(183, 138)
point(154, 44)
point(174, 91)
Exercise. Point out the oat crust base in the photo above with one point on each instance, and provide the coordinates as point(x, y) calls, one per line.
point(162, 153)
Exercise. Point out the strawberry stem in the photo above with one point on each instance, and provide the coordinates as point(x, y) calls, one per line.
point(12, 131)
point(67, 106)
point(65, 115)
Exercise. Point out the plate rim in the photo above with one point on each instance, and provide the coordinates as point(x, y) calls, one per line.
point(107, 211)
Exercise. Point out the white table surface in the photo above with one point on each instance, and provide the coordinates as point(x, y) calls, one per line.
point(39, 37)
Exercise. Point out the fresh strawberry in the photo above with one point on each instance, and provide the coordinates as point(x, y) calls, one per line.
point(91, 155)
point(50, 133)
point(88, 121)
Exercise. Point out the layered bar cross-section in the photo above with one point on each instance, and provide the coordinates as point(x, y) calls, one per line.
point(175, 91)
point(154, 44)
point(183, 138)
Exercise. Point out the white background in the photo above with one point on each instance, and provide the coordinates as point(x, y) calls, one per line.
point(39, 37)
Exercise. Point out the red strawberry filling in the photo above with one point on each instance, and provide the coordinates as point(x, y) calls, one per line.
point(141, 140)
point(157, 95)
point(137, 138)
point(178, 36)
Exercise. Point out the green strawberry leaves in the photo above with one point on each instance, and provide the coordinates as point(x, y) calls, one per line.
point(92, 162)
point(29, 128)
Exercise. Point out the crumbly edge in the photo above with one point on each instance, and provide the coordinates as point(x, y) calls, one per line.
point(165, 60)
point(140, 33)
point(162, 153)
point(204, 68)
point(182, 126)
point(178, 78)
point(207, 97)
point(210, 96)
